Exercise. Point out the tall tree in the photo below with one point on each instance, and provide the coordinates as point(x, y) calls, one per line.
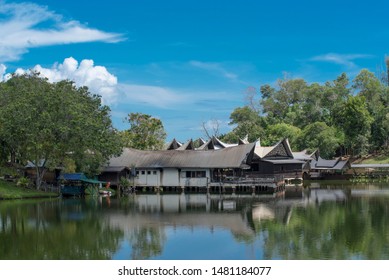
point(355, 120)
point(145, 132)
point(279, 131)
point(246, 122)
point(46, 123)
point(320, 136)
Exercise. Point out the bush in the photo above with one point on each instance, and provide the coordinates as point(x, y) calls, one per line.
point(23, 182)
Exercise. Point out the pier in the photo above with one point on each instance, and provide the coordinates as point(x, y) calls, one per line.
point(230, 185)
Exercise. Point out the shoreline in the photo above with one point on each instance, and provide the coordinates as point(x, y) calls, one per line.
point(9, 191)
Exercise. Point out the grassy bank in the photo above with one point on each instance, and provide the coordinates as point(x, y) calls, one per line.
point(9, 190)
point(377, 160)
point(374, 159)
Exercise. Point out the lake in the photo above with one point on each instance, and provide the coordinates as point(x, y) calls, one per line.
point(317, 221)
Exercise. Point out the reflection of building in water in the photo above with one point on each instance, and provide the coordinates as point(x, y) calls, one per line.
point(230, 212)
point(281, 209)
point(193, 211)
point(263, 212)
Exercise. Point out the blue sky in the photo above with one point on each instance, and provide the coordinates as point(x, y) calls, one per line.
point(189, 62)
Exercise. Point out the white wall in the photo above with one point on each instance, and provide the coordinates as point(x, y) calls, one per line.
point(170, 177)
point(148, 177)
point(194, 182)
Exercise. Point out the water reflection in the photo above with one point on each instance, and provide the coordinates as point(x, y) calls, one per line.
point(324, 221)
point(55, 229)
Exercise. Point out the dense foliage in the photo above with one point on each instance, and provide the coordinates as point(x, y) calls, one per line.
point(338, 117)
point(52, 123)
point(145, 132)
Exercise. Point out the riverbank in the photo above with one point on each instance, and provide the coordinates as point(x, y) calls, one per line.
point(373, 159)
point(9, 190)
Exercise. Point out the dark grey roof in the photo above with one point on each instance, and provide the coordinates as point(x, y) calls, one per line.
point(341, 165)
point(231, 157)
point(284, 161)
point(326, 162)
point(302, 155)
point(114, 168)
point(333, 164)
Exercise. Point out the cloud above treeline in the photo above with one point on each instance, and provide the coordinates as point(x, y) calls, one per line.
point(27, 25)
point(347, 60)
point(100, 81)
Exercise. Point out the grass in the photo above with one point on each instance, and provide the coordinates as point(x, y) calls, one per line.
point(377, 159)
point(9, 190)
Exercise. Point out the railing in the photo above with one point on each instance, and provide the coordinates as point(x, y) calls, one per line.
point(250, 180)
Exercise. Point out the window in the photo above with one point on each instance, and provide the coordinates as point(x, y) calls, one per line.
point(154, 172)
point(137, 173)
point(195, 174)
point(143, 172)
point(148, 172)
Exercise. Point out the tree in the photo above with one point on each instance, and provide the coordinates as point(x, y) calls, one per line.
point(145, 132)
point(47, 123)
point(211, 128)
point(368, 85)
point(282, 130)
point(246, 122)
point(355, 120)
point(375, 91)
point(283, 103)
point(320, 136)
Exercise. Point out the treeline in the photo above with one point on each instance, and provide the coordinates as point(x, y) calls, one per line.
point(59, 125)
point(338, 117)
point(54, 125)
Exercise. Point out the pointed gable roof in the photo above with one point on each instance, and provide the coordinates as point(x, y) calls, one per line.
point(187, 146)
point(215, 144)
point(173, 145)
point(243, 141)
point(209, 145)
point(198, 143)
point(279, 150)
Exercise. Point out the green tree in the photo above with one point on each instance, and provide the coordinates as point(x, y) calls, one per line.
point(246, 122)
point(145, 132)
point(47, 122)
point(320, 136)
point(283, 103)
point(366, 84)
point(279, 131)
point(355, 120)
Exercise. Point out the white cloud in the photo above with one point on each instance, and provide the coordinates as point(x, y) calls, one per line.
point(85, 73)
point(346, 60)
point(154, 96)
point(215, 68)
point(21, 29)
point(100, 81)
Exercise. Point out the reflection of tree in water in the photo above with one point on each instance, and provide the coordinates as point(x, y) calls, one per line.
point(45, 231)
point(352, 229)
point(147, 242)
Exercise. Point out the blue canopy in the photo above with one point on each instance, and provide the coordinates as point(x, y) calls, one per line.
point(78, 177)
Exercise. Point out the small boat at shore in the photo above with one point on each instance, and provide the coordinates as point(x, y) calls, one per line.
point(105, 192)
point(77, 184)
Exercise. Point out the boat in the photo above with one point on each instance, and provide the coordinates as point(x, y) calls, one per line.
point(105, 192)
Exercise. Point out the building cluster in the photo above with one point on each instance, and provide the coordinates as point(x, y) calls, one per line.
point(214, 164)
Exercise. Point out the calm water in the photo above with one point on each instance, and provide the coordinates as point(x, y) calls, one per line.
point(315, 222)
